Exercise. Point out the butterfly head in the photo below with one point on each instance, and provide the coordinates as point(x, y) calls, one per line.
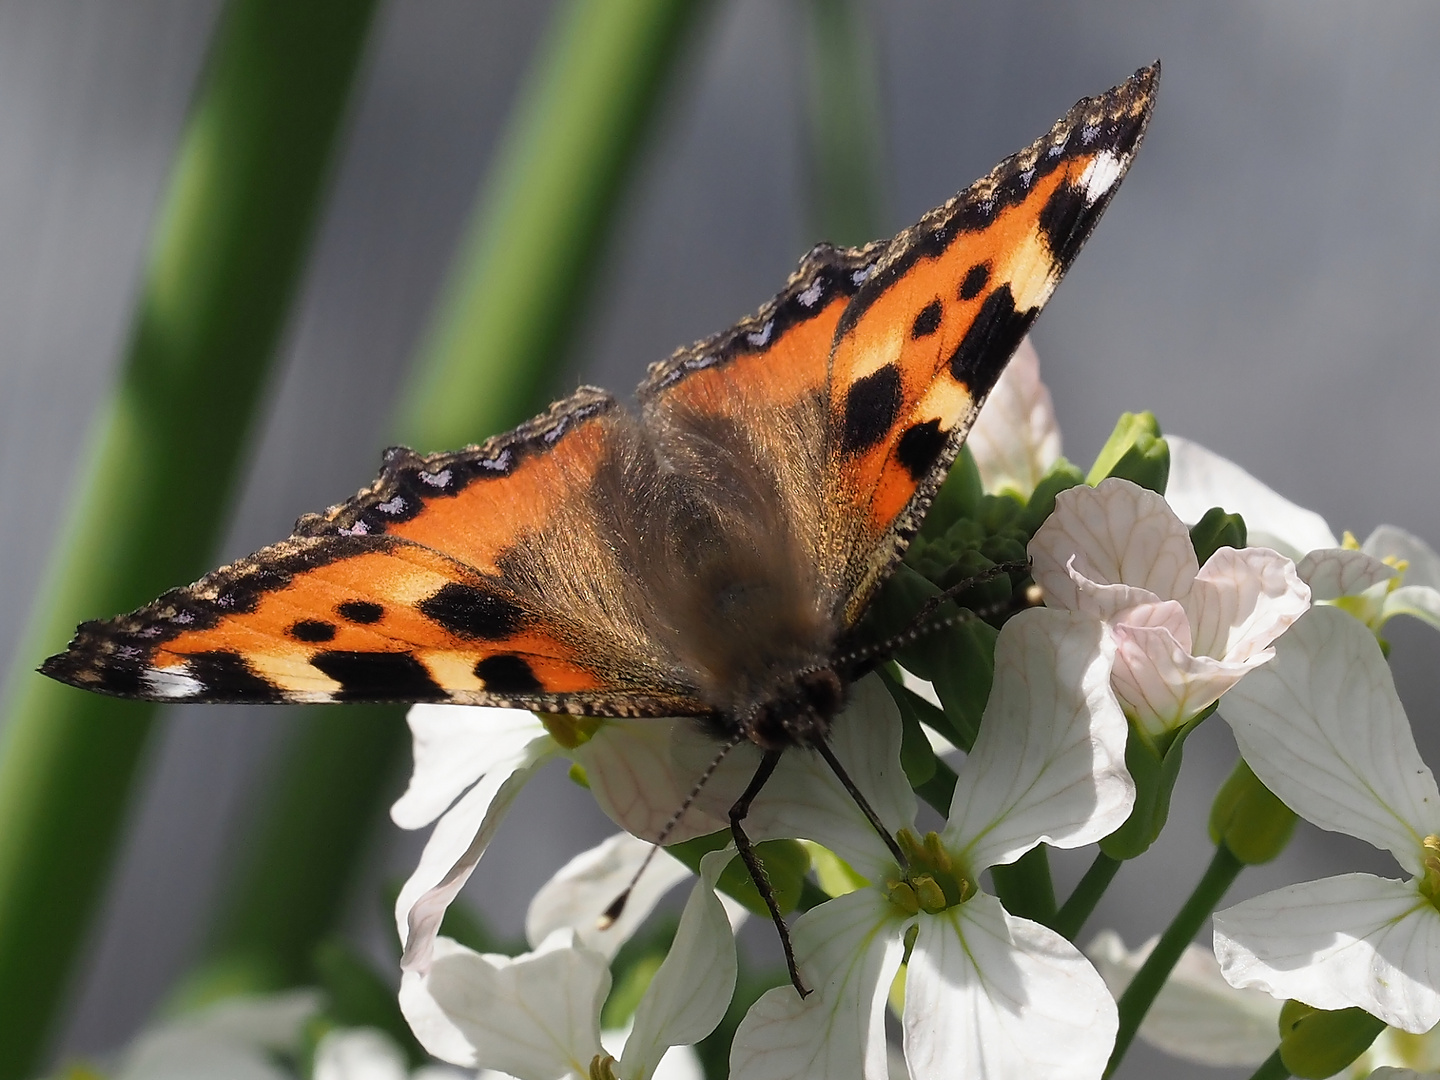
point(798, 712)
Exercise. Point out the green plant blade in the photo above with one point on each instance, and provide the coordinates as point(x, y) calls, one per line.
point(227, 252)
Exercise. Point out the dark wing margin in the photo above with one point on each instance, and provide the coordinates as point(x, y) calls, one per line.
point(401, 594)
point(947, 304)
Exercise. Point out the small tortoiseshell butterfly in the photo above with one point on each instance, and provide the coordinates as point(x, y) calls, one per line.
point(709, 557)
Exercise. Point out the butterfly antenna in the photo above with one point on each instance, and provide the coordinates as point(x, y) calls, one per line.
point(617, 906)
point(919, 626)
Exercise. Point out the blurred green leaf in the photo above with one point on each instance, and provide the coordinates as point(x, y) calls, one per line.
point(161, 463)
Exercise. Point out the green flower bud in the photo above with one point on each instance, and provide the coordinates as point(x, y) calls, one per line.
point(1136, 452)
point(1248, 819)
point(1061, 477)
point(1315, 1043)
point(959, 496)
point(1215, 530)
point(1154, 767)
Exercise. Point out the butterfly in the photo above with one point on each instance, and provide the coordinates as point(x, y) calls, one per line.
point(710, 556)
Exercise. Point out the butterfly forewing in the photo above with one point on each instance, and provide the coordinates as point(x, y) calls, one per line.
point(948, 302)
point(690, 561)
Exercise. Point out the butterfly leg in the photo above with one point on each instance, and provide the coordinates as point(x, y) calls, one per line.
point(738, 813)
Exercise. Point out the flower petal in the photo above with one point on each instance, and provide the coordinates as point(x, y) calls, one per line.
point(1119, 533)
point(1017, 998)
point(1322, 727)
point(1418, 601)
point(1161, 684)
point(1049, 763)
point(1335, 572)
point(1393, 542)
point(358, 1054)
point(454, 746)
point(1197, 1015)
point(534, 1016)
point(1016, 437)
point(1127, 603)
point(1354, 940)
point(640, 781)
point(235, 1039)
point(454, 848)
point(691, 991)
point(1241, 601)
point(1201, 479)
point(804, 800)
point(577, 896)
point(850, 949)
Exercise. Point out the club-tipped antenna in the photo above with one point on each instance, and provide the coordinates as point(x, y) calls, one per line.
point(617, 906)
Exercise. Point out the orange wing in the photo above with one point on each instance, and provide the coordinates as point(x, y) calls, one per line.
point(948, 302)
point(412, 591)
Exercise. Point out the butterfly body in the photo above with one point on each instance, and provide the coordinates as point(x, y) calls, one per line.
point(707, 555)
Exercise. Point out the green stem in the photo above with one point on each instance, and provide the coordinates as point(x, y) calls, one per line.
point(1135, 1002)
point(1080, 905)
point(1272, 1068)
point(1025, 886)
point(498, 340)
point(845, 141)
point(161, 463)
point(530, 254)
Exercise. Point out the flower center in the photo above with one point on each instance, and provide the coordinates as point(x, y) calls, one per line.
point(1430, 875)
point(932, 881)
point(569, 731)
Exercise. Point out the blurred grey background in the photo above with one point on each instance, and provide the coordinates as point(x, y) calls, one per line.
point(1266, 282)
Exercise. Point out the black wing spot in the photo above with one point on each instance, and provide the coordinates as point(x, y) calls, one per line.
point(919, 447)
point(378, 676)
point(312, 630)
point(507, 674)
point(976, 278)
point(870, 409)
point(990, 341)
point(363, 612)
point(471, 612)
point(928, 321)
point(1063, 223)
point(225, 674)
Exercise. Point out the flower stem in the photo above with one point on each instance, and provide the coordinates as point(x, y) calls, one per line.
point(843, 126)
point(1135, 1002)
point(162, 458)
point(1272, 1068)
point(1070, 919)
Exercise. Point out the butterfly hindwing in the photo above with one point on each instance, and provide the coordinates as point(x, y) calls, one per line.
point(415, 590)
point(946, 305)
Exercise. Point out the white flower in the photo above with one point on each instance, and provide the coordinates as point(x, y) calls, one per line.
point(368, 1054)
point(537, 1016)
point(1186, 634)
point(1197, 1015)
point(987, 993)
point(1016, 438)
point(1322, 728)
point(234, 1039)
point(471, 763)
point(1391, 573)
